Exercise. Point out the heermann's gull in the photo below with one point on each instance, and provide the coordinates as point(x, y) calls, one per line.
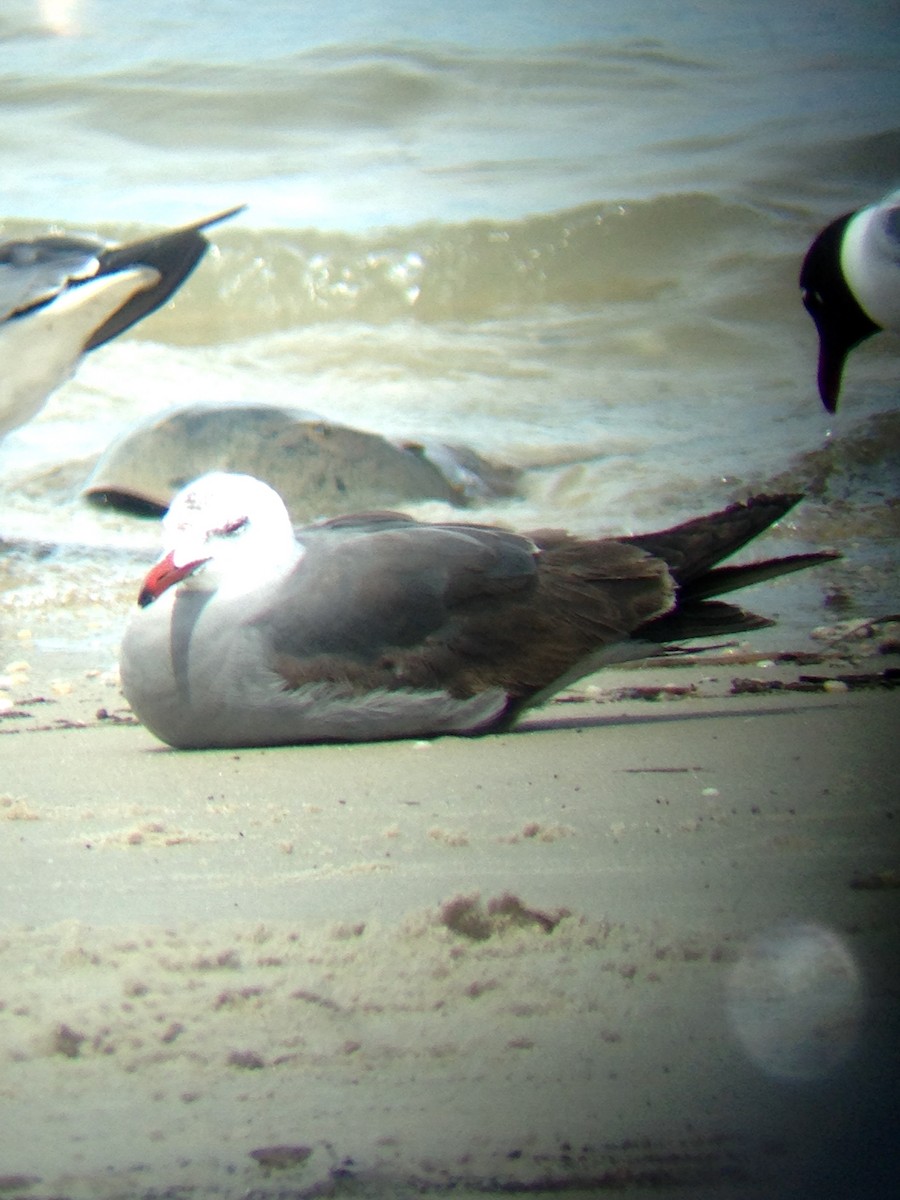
point(61, 297)
point(850, 281)
point(377, 626)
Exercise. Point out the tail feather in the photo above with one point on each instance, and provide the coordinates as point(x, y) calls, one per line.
point(693, 548)
point(692, 552)
point(700, 619)
point(722, 580)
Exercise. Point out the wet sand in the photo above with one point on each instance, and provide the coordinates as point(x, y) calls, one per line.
point(527, 963)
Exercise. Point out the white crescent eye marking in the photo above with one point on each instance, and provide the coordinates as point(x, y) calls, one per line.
point(232, 527)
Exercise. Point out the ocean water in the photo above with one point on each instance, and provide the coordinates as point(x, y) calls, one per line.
point(564, 234)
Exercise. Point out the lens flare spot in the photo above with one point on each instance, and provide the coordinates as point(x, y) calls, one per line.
point(795, 1000)
point(60, 17)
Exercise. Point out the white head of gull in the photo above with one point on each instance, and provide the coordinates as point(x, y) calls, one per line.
point(379, 626)
point(226, 533)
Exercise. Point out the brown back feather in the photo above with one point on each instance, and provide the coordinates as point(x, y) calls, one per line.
point(486, 623)
point(468, 608)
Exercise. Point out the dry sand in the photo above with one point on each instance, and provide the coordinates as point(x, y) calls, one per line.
point(650, 947)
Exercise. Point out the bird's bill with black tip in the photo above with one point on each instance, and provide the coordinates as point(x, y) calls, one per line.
point(834, 347)
point(831, 371)
point(165, 574)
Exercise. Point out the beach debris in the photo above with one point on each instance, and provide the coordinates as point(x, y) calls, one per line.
point(318, 466)
point(248, 1060)
point(16, 808)
point(888, 678)
point(280, 1158)
point(16, 1183)
point(120, 717)
point(15, 674)
point(67, 1041)
point(878, 881)
point(466, 915)
point(884, 631)
point(663, 691)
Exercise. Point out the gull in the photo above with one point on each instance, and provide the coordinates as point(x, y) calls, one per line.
point(61, 297)
point(377, 626)
point(850, 284)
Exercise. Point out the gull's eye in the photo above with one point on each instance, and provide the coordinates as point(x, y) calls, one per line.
point(232, 527)
point(812, 300)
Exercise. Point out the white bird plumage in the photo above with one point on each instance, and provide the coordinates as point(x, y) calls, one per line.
point(61, 297)
point(870, 260)
point(227, 533)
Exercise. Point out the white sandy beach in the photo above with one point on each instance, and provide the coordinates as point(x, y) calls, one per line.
point(516, 964)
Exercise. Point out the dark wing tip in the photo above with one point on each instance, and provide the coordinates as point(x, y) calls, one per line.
point(173, 255)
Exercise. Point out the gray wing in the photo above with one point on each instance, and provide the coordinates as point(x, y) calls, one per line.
point(33, 272)
point(454, 607)
point(380, 581)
